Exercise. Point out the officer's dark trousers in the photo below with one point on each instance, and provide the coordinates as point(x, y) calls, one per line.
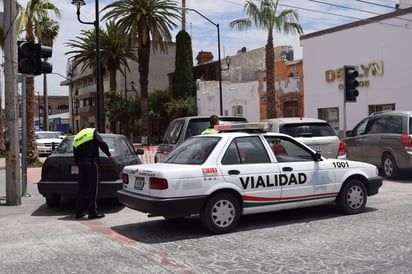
point(88, 187)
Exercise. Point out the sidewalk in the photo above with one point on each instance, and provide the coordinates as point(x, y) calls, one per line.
point(37, 239)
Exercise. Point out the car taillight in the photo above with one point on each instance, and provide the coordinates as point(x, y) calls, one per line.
point(342, 148)
point(407, 141)
point(158, 183)
point(125, 178)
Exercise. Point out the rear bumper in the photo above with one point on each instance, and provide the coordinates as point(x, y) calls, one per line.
point(374, 184)
point(107, 189)
point(177, 206)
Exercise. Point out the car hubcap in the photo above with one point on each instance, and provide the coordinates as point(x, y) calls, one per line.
point(388, 167)
point(223, 213)
point(355, 197)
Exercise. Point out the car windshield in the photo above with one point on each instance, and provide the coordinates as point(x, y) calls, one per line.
point(194, 151)
point(46, 135)
point(307, 130)
point(66, 145)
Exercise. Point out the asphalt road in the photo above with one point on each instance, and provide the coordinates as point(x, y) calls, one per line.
point(37, 239)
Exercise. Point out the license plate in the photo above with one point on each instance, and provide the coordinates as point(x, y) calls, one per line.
point(316, 148)
point(139, 183)
point(74, 170)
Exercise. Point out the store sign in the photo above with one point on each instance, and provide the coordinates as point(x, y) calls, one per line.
point(365, 71)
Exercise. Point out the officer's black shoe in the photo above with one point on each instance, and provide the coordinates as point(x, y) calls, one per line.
point(80, 215)
point(96, 216)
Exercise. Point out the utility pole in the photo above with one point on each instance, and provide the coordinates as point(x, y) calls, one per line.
point(13, 177)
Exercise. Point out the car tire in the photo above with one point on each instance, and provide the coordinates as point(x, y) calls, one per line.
point(389, 167)
point(221, 213)
point(352, 197)
point(53, 201)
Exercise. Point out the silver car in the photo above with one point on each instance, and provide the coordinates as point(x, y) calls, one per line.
point(383, 139)
point(316, 133)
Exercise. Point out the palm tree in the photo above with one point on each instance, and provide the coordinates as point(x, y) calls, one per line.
point(49, 30)
point(264, 16)
point(147, 22)
point(29, 20)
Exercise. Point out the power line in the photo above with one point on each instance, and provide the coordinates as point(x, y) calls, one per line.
point(375, 4)
point(343, 7)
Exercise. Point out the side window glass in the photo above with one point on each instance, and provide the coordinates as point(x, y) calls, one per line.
point(231, 156)
point(172, 134)
point(360, 129)
point(377, 125)
point(287, 150)
point(394, 125)
point(246, 150)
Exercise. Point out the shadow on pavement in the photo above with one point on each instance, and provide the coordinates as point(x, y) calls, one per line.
point(162, 231)
point(67, 208)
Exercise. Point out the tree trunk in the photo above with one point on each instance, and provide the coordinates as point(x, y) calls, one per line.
point(32, 154)
point(270, 77)
point(144, 57)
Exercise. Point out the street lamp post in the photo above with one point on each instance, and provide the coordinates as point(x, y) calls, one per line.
point(99, 94)
point(218, 53)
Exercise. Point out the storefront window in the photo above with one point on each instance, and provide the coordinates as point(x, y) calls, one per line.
point(331, 115)
point(376, 108)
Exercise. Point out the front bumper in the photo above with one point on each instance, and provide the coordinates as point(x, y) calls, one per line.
point(175, 207)
point(107, 189)
point(374, 184)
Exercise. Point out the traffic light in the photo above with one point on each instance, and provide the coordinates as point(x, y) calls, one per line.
point(350, 83)
point(42, 53)
point(32, 58)
point(26, 54)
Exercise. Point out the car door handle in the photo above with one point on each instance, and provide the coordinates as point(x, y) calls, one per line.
point(288, 168)
point(234, 172)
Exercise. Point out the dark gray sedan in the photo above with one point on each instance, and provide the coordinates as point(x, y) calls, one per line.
point(59, 172)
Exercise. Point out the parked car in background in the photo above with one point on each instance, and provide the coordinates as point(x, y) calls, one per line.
point(61, 134)
point(225, 175)
point(46, 141)
point(383, 139)
point(184, 127)
point(316, 133)
point(60, 173)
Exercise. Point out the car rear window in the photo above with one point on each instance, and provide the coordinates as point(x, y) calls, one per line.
point(307, 130)
point(66, 145)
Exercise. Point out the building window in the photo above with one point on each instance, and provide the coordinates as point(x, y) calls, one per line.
point(385, 107)
point(331, 115)
point(63, 108)
point(237, 110)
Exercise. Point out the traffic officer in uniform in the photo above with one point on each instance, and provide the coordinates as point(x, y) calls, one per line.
point(213, 121)
point(86, 146)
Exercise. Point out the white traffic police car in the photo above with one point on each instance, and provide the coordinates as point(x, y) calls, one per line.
point(223, 176)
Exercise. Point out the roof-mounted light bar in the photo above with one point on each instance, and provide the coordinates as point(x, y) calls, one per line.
point(253, 126)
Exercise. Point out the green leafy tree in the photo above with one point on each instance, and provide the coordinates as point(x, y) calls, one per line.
point(114, 51)
point(183, 81)
point(157, 102)
point(118, 113)
point(148, 24)
point(181, 107)
point(29, 20)
point(263, 15)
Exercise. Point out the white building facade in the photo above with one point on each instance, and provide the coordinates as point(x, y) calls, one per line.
point(380, 49)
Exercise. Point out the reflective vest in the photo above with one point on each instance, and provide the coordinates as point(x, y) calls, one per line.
point(209, 131)
point(83, 136)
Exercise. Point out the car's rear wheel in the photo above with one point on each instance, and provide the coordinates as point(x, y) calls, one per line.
point(389, 167)
point(352, 197)
point(221, 213)
point(53, 201)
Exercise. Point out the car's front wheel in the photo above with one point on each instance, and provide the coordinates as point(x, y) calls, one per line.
point(352, 197)
point(53, 201)
point(389, 167)
point(221, 213)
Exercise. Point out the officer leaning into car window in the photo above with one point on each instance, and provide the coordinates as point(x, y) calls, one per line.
point(213, 120)
point(86, 146)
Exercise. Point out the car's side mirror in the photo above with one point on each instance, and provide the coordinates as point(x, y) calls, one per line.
point(317, 157)
point(349, 133)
